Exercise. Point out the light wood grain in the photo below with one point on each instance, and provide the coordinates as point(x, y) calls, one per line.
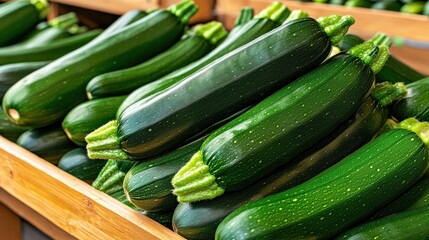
point(69, 203)
point(10, 224)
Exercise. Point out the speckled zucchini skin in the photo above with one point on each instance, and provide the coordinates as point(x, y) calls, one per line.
point(416, 103)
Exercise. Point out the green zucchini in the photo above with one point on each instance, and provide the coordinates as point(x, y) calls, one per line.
point(342, 195)
point(9, 130)
point(148, 184)
point(388, 5)
point(265, 21)
point(199, 220)
point(12, 73)
point(47, 52)
point(337, 2)
point(410, 224)
point(393, 71)
point(234, 80)
point(111, 177)
point(46, 95)
point(18, 17)
point(358, 3)
point(415, 104)
point(123, 21)
point(282, 126)
point(77, 163)
point(413, 7)
point(49, 143)
point(88, 116)
point(246, 14)
point(194, 45)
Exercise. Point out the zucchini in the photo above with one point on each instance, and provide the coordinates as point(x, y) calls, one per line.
point(280, 127)
point(195, 44)
point(246, 14)
point(126, 19)
point(342, 195)
point(411, 224)
point(111, 177)
point(88, 116)
point(389, 5)
point(9, 130)
point(413, 7)
point(234, 80)
point(358, 3)
point(46, 95)
point(19, 17)
point(199, 220)
point(337, 2)
point(12, 73)
point(393, 71)
point(415, 104)
point(49, 143)
point(47, 52)
point(148, 184)
point(77, 163)
point(266, 20)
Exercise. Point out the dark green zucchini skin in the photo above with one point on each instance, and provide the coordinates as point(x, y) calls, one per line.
point(278, 129)
point(416, 102)
point(148, 184)
point(393, 71)
point(236, 80)
point(415, 197)
point(410, 224)
point(77, 163)
point(124, 81)
point(62, 83)
point(199, 220)
point(237, 38)
point(88, 116)
point(12, 73)
point(17, 18)
point(339, 197)
point(9, 130)
point(47, 52)
point(49, 143)
point(48, 35)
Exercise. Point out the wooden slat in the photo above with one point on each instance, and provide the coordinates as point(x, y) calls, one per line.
point(10, 224)
point(69, 203)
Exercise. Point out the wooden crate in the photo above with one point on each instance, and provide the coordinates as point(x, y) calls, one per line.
point(368, 22)
point(32, 186)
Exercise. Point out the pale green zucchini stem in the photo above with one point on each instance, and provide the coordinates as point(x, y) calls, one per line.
point(295, 14)
point(41, 6)
point(420, 128)
point(336, 26)
point(277, 12)
point(183, 10)
point(380, 39)
point(371, 54)
point(386, 93)
point(246, 14)
point(213, 31)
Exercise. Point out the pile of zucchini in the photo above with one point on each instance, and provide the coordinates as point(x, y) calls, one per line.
point(263, 132)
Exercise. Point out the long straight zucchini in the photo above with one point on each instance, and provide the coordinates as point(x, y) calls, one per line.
point(416, 103)
point(265, 21)
point(195, 44)
point(222, 88)
point(339, 197)
point(199, 220)
point(282, 126)
point(17, 18)
point(88, 116)
point(46, 95)
point(77, 163)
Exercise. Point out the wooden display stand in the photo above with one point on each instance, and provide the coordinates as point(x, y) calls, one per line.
point(63, 206)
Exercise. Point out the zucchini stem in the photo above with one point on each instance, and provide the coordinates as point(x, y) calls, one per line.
point(213, 31)
point(41, 6)
point(193, 182)
point(110, 178)
point(246, 14)
point(420, 128)
point(370, 54)
point(336, 26)
point(380, 39)
point(183, 10)
point(295, 14)
point(276, 11)
point(103, 143)
point(64, 21)
point(386, 93)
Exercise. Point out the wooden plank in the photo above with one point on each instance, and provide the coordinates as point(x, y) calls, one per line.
point(410, 26)
point(10, 224)
point(68, 202)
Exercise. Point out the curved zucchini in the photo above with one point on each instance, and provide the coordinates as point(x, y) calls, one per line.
point(199, 220)
point(191, 47)
point(47, 52)
point(393, 71)
point(77, 163)
point(111, 177)
point(234, 80)
point(8, 129)
point(339, 197)
point(49, 143)
point(280, 127)
point(265, 21)
point(415, 104)
point(46, 95)
point(88, 116)
point(12, 73)
point(411, 224)
point(17, 18)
